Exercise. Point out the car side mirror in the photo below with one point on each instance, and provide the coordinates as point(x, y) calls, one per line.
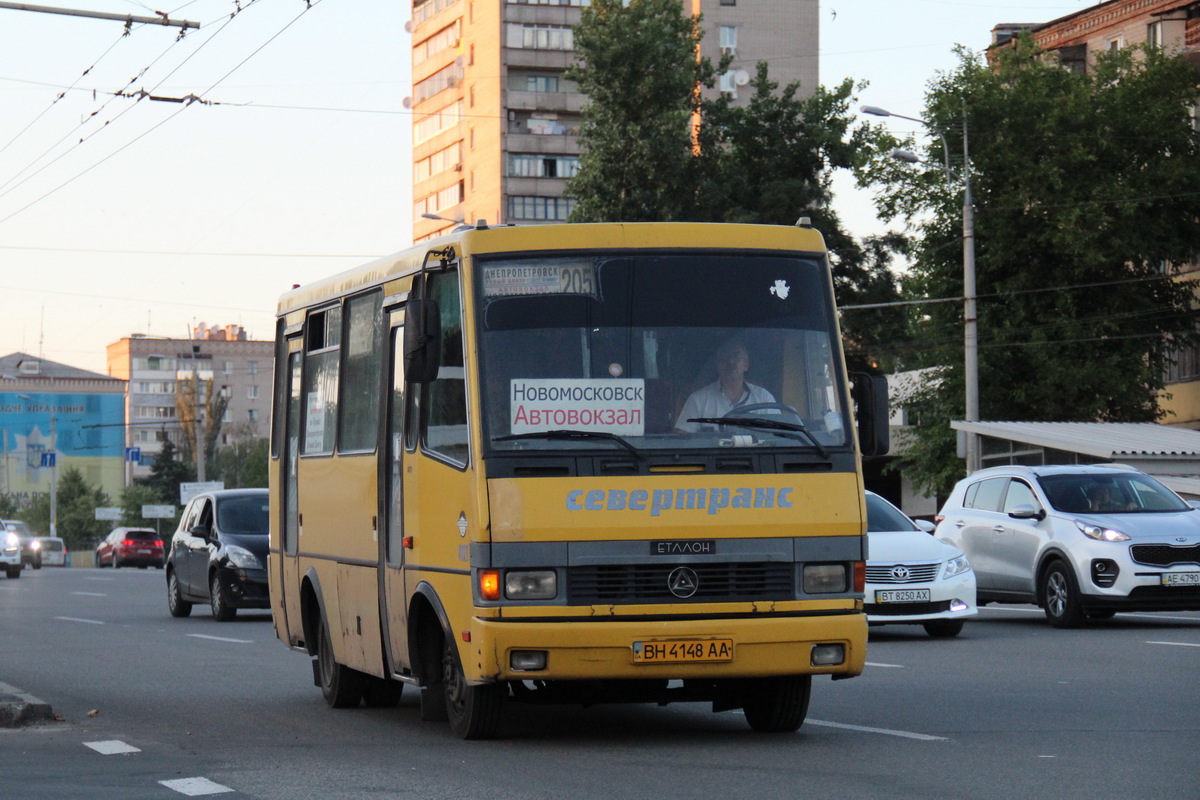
point(203, 531)
point(1026, 511)
point(925, 525)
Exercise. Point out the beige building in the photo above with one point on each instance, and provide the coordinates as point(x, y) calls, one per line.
point(240, 368)
point(495, 123)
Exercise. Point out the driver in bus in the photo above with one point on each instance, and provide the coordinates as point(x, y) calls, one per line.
point(729, 391)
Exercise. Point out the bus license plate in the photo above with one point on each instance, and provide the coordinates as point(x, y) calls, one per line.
point(1181, 579)
point(902, 596)
point(683, 651)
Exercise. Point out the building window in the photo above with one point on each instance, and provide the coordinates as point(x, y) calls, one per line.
point(437, 201)
point(445, 78)
point(1185, 364)
point(252, 415)
point(729, 2)
point(252, 393)
point(442, 40)
point(728, 39)
point(522, 165)
point(541, 37)
point(727, 85)
point(541, 83)
point(441, 120)
point(252, 367)
point(444, 159)
point(1154, 37)
point(540, 208)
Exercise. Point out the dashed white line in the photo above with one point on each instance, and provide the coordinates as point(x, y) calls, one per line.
point(1140, 615)
point(77, 619)
point(1177, 644)
point(90, 594)
point(924, 737)
point(195, 787)
point(885, 666)
point(220, 638)
point(112, 747)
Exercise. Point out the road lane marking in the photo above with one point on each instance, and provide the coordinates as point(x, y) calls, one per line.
point(924, 737)
point(77, 619)
point(97, 579)
point(195, 787)
point(1122, 613)
point(90, 594)
point(885, 666)
point(220, 638)
point(1177, 644)
point(112, 747)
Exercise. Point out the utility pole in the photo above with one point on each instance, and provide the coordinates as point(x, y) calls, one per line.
point(198, 405)
point(128, 19)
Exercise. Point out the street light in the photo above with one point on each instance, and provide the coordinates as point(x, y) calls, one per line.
point(53, 468)
point(461, 225)
point(970, 331)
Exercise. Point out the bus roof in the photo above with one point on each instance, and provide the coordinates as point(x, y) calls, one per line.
point(558, 238)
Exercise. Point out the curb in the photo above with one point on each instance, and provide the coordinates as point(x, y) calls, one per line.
point(18, 709)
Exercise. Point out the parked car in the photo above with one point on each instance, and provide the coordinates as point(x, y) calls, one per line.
point(218, 554)
point(31, 552)
point(10, 553)
point(53, 551)
point(912, 578)
point(1082, 542)
point(130, 547)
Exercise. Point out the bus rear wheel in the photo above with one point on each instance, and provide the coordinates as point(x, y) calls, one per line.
point(777, 705)
point(474, 711)
point(341, 686)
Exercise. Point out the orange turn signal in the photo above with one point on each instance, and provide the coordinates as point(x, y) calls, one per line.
point(860, 576)
point(489, 584)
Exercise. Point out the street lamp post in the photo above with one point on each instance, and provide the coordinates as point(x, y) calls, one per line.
point(970, 330)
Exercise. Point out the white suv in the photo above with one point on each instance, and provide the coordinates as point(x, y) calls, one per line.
point(10, 553)
point(1079, 541)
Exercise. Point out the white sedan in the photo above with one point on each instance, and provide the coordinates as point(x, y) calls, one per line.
point(912, 578)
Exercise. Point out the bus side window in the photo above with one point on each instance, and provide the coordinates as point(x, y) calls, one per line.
point(445, 419)
point(321, 349)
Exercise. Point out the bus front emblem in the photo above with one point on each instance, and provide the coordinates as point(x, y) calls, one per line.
point(683, 582)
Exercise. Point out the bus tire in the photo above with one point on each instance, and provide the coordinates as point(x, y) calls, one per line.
point(474, 711)
point(381, 692)
point(341, 686)
point(777, 705)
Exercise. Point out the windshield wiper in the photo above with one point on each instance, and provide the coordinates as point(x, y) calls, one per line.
point(567, 434)
point(769, 424)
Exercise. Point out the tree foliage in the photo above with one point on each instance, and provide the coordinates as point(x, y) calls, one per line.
point(167, 473)
point(136, 496)
point(75, 511)
point(242, 465)
point(655, 150)
point(1085, 191)
point(213, 404)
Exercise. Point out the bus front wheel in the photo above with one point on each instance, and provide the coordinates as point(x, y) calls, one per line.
point(342, 686)
point(474, 711)
point(777, 705)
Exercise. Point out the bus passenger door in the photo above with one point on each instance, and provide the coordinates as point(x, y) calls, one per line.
point(393, 594)
point(290, 560)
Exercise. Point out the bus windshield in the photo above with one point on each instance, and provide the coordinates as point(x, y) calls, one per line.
point(658, 351)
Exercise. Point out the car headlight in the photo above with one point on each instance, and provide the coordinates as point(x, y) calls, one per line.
point(241, 557)
point(1101, 533)
point(534, 584)
point(35, 545)
point(956, 566)
point(12, 540)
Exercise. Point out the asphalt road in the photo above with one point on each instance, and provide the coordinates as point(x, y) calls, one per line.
point(1010, 709)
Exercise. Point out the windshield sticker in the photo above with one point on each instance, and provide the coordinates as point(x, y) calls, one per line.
point(566, 276)
point(781, 289)
point(577, 404)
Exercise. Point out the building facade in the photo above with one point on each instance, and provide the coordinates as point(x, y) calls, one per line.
point(54, 417)
point(495, 123)
point(239, 369)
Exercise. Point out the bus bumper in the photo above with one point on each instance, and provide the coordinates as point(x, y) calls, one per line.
point(580, 649)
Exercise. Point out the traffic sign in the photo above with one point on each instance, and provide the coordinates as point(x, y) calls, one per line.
point(189, 490)
point(158, 512)
point(108, 513)
point(48, 459)
point(133, 454)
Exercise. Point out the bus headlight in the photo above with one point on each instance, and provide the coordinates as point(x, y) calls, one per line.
point(825, 578)
point(534, 584)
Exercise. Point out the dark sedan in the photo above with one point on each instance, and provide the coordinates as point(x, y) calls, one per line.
point(218, 554)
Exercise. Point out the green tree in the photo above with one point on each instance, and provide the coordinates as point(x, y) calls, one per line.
point(77, 502)
point(136, 496)
point(242, 464)
point(1085, 194)
point(638, 67)
point(167, 473)
point(213, 404)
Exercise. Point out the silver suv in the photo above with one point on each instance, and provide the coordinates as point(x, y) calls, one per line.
point(1082, 542)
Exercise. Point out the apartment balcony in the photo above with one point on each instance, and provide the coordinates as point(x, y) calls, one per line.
point(535, 187)
point(538, 59)
point(549, 144)
point(561, 102)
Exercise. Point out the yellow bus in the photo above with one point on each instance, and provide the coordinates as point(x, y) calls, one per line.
point(572, 464)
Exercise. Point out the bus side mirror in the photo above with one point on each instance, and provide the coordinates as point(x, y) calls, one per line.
point(870, 396)
point(422, 341)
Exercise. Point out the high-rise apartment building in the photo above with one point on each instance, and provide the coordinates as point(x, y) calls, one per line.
point(495, 123)
point(239, 368)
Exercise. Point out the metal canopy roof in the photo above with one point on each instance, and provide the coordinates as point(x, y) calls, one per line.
point(1111, 440)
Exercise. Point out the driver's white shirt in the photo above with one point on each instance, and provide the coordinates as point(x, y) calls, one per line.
point(711, 401)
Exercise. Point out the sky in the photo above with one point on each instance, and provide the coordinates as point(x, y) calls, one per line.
point(122, 216)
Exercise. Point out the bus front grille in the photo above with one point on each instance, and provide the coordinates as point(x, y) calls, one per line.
point(652, 583)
